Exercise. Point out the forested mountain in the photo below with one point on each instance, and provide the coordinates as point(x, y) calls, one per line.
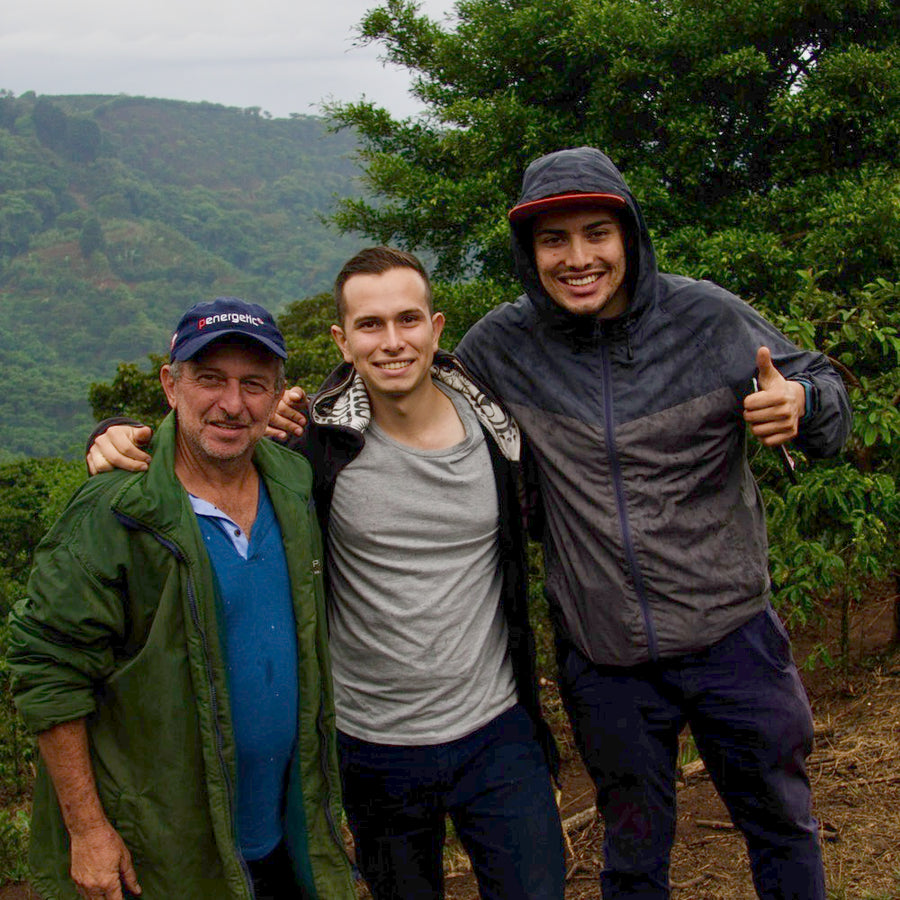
point(116, 213)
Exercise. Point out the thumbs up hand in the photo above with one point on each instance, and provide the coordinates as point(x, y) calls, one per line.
point(774, 411)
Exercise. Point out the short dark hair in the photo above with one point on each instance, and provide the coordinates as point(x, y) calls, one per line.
point(377, 261)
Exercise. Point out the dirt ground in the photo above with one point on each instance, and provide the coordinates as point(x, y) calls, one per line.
point(855, 770)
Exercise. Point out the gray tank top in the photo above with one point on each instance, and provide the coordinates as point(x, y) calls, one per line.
point(418, 638)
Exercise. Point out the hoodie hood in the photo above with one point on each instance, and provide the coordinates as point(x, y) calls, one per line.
point(584, 170)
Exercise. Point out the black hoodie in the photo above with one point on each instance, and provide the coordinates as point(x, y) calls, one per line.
point(654, 536)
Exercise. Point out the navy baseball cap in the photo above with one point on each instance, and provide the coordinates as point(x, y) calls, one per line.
point(206, 322)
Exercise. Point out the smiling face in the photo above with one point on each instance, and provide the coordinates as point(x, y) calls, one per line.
point(580, 258)
point(389, 333)
point(223, 398)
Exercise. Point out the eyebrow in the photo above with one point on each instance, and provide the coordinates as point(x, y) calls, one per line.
point(412, 311)
point(603, 220)
point(200, 368)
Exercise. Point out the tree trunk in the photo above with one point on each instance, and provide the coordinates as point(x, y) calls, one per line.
point(845, 630)
point(896, 637)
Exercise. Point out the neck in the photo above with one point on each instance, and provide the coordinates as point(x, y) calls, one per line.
point(230, 485)
point(426, 419)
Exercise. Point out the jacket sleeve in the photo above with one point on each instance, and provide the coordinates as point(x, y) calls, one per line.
point(312, 446)
point(826, 425)
point(733, 331)
point(62, 636)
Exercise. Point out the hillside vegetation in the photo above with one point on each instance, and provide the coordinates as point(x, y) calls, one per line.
point(116, 213)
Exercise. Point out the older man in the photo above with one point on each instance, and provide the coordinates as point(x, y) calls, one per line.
point(172, 655)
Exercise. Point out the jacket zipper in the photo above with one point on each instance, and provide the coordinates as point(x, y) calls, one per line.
point(179, 555)
point(621, 505)
point(329, 789)
point(318, 570)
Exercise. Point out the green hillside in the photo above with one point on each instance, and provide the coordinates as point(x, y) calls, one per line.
point(116, 213)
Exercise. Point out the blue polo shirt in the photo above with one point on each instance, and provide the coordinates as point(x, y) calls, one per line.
point(254, 594)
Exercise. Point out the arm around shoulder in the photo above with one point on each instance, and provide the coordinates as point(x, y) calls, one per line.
point(117, 444)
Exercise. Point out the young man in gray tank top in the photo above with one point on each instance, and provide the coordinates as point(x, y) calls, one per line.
point(415, 469)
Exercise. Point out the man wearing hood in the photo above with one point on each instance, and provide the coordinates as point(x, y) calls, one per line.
point(633, 388)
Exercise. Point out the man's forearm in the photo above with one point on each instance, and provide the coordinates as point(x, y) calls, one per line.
point(64, 749)
point(100, 861)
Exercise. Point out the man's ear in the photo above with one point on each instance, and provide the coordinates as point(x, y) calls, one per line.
point(338, 336)
point(437, 323)
point(168, 384)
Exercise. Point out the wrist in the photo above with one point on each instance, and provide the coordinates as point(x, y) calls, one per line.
point(87, 823)
point(804, 397)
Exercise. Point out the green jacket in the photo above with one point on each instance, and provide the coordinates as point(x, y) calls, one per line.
point(120, 626)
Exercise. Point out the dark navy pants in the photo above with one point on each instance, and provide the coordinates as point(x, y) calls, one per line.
point(752, 723)
point(494, 785)
point(273, 876)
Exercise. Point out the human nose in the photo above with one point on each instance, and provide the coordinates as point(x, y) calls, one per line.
point(578, 255)
point(230, 397)
point(392, 338)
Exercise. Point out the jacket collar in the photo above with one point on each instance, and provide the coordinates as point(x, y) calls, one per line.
point(157, 499)
point(343, 402)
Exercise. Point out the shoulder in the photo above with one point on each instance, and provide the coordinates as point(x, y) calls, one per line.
point(506, 317)
point(287, 467)
point(519, 312)
point(497, 334)
point(689, 297)
point(710, 312)
point(88, 535)
point(94, 502)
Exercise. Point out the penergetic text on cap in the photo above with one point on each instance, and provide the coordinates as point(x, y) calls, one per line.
point(206, 322)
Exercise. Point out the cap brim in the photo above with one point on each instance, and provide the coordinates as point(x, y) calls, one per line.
point(191, 348)
point(564, 201)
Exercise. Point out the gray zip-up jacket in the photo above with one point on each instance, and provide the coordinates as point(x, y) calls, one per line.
point(654, 531)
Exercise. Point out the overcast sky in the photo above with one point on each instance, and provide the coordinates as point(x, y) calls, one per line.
point(282, 55)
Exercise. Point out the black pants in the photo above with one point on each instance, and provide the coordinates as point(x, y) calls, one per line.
point(273, 876)
point(753, 726)
point(494, 785)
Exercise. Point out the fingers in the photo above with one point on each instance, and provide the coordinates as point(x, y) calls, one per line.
point(119, 447)
point(129, 876)
point(772, 420)
point(142, 435)
point(110, 890)
point(98, 884)
point(296, 396)
point(773, 412)
point(290, 414)
point(100, 863)
point(773, 435)
point(767, 373)
point(96, 461)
